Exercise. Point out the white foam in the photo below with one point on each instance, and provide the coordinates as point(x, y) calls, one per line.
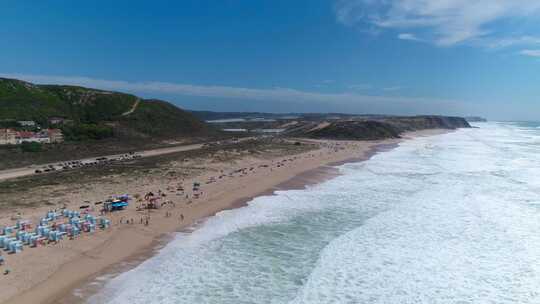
point(452, 218)
point(465, 237)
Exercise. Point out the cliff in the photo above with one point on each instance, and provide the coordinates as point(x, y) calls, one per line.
point(373, 129)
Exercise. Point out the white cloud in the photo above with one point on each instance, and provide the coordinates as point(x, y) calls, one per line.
point(498, 43)
point(443, 22)
point(408, 36)
point(346, 99)
point(532, 53)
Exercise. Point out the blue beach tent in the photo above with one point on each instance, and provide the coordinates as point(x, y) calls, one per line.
point(119, 205)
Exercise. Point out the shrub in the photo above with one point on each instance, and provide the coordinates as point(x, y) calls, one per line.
point(80, 132)
point(31, 147)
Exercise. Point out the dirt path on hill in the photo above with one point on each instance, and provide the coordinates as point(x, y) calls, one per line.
point(133, 108)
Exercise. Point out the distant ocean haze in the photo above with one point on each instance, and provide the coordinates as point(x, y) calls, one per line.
point(451, 218)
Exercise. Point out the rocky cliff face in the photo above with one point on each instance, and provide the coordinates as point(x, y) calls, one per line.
point(373, 129)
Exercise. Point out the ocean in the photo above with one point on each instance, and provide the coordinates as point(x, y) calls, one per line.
point(451, 218)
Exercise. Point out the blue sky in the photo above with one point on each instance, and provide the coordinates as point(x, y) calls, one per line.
point(356, 56)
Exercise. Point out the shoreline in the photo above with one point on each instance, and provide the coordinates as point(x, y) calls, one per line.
point(298, 182)
point(72, 281)
point(91, 285)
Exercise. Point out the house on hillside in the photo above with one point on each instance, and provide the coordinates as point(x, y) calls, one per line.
point(55, 135)
point(56, 120)
point(26, 136)
point(13, 137)
point(27, 123)
point(8, 137)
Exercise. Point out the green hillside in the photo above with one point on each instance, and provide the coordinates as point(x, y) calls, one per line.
point(23, 100)
point(124, 115)
point(156, 117)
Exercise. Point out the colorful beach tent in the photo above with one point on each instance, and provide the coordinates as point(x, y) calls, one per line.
point(115, 205)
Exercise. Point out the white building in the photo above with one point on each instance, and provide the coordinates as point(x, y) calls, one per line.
point(27, 123)
point(25, 136)
point(13, 137)
point(8, 137)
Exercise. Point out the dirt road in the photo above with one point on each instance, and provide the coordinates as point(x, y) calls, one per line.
point(24, 171)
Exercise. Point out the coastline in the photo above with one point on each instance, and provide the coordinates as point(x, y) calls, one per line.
point(87, 287)
point(128, 247)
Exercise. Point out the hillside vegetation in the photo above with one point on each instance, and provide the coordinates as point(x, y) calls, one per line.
point(96, 112)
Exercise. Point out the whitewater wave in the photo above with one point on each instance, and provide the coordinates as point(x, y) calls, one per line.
point(451, 218)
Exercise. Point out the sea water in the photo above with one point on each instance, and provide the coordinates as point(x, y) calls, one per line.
point(452, 218)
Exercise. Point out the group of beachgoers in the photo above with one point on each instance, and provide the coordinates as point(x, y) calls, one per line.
point(275, 164)
point(179, 190)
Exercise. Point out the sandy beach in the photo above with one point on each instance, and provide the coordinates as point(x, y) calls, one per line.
point(49, 274)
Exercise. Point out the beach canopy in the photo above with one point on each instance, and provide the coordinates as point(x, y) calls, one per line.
point(119, 204)
point(115, 205)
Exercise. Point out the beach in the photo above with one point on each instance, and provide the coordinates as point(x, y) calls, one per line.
point(270, 152)
point(49, 274)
